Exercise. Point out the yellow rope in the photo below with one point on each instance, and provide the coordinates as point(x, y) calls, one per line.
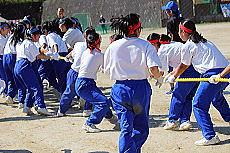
point(61, 57)
point(200, 79)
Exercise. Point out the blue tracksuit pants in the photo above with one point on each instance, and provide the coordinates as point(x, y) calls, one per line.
point(206, 94)
point(26, 78)
point(183, 93)
point(69, 93)
point(46, 71)
point(131, 101)
point(9, 61)
point(86, 88)
point(61, 69)
point(2, 71)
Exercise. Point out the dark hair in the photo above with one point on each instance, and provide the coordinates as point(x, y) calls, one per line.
point(194, 36)
point(68, 23)
point(78, 24)
point(19, 33)
point(164, 37)
point(121, 25)
point(48, 26)
point(29, 20)
point(154, 36)
point(91, 39)
point(89, 30)
point(116, 37)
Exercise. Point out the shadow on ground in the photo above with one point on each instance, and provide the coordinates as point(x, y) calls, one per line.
point(15, 151)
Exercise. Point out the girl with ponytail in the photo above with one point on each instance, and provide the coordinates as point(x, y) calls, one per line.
point(4, 31)
point(209, 62)
point(26, 75)
point(129, 61)
point(85, 86)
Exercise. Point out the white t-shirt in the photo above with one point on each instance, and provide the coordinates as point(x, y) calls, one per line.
point(53, 39)
point(3, 41)
point(9, 48)
point(90, 63)
point(170, 55)
point(27, 49)
point(77, 52)
point(203, 56)
point(72, 36)
point(130, 58)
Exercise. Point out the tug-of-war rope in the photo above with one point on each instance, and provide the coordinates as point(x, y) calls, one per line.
point(200, 79)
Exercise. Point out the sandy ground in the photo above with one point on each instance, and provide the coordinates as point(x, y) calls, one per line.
point(40, 134)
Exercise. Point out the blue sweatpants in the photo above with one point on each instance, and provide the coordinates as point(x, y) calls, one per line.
point(26, 78)
point(46, 71)
point(131, 101)
point(206, 94)
point(61, 69)
point(183, 93)
point(2, 72)
point(69, 93)
point(8, 64)
point(86, 88)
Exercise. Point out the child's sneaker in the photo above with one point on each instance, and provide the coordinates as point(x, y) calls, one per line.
point(205, 142)
point(43, 111)
point(91, 128)
point(86, 113)
point(185, 126)
point(28, 111)
point(9, 100)
point(171, 126)
point(20, 105)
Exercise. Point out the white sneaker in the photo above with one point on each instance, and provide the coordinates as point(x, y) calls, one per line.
point(28, 111)
point(91, 128)
point(59, 114)
point(185, 126)
point(113, 119)
point(86, 113)
point(9, 100)
point(20, 106)
point(171, 126)
point(3, 95)
point(43, 111)
point(205, 142)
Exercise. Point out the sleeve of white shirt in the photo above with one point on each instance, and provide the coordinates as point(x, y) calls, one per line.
point(33, 50)
point(164, 60)
point(107, 61)
point(67, 38)
point(42, 40)
point(186, 55)
point(152, 57)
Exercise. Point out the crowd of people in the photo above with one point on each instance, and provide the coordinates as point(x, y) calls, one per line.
point(60, 52)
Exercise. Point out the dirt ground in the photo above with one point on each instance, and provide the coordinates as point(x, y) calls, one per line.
point(40, 134)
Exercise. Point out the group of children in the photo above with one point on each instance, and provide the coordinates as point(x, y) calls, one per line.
point(30, 54)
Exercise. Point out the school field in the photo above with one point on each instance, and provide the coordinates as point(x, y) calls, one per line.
point(40, 134)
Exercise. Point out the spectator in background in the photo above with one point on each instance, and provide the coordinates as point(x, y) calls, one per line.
point(102, 23)
point(58, 20)
point(172, 24)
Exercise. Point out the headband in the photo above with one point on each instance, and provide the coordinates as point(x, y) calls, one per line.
point(153, 41)
point(164, 42)
point(186, 29)
point(4, 25)
point(131, 29)
point(94, 45)
point(33, 30)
